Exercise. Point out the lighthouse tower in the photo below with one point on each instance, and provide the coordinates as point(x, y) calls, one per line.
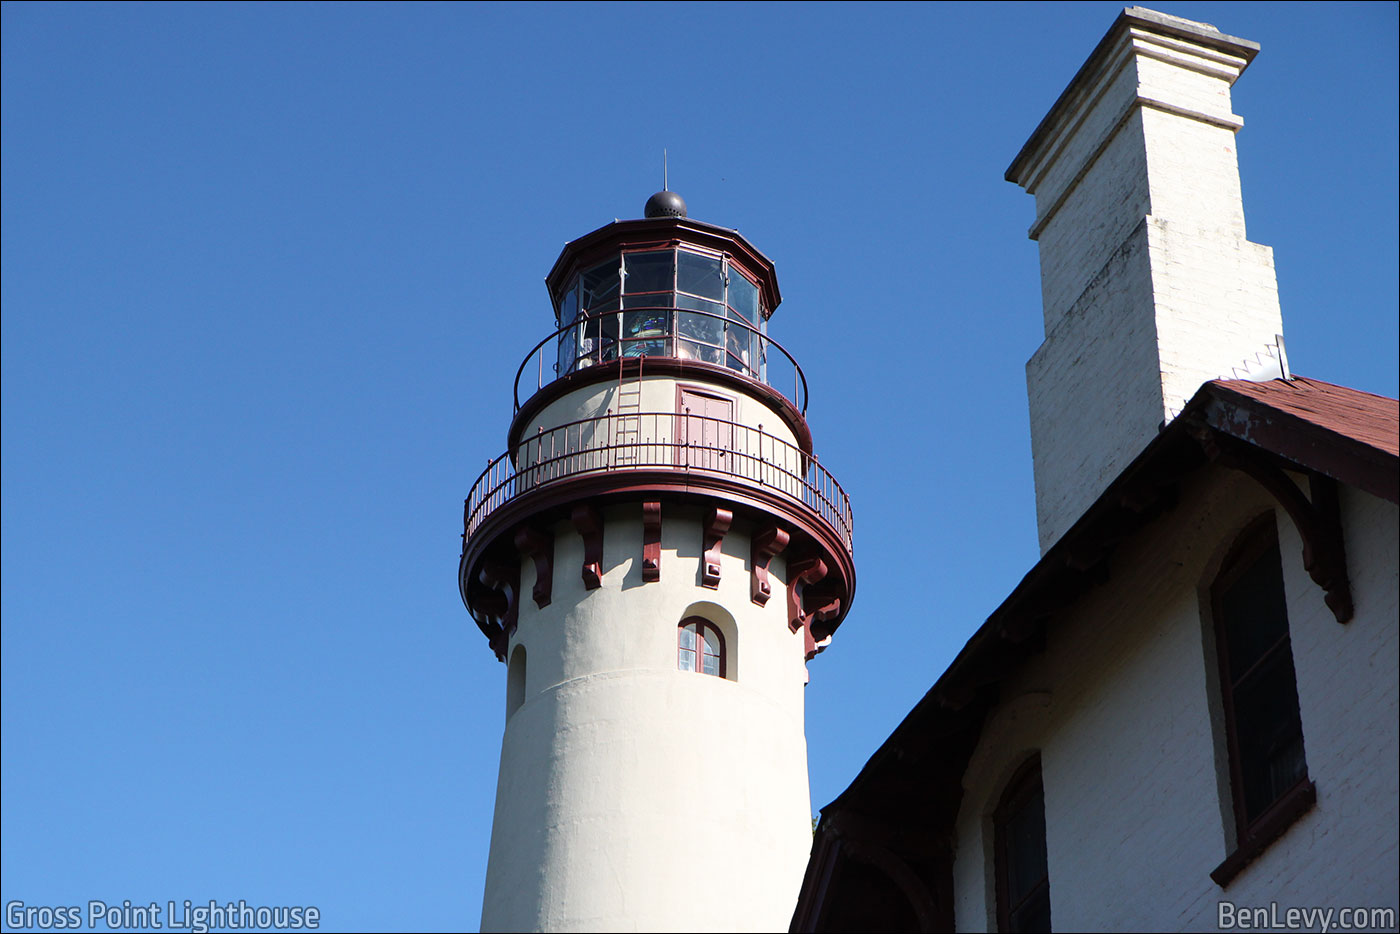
point(655, 556)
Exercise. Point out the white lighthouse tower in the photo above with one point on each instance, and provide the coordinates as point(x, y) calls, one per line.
point(655, 556)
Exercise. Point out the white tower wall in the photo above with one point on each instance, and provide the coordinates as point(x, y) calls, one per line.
point(634, 796)
point(1150, 287)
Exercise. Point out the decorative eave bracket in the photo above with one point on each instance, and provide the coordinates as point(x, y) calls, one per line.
point(539, 545)
point(1318, 519)
point(768, 542)
point(589, 524)
point(651, 542)
point(802, 574)
point(501, 601)
point(717, 522)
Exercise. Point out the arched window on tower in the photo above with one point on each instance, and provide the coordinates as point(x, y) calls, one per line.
point(700, 647)
point(1022, 866)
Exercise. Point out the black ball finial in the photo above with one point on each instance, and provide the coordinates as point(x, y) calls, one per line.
point(665, 204)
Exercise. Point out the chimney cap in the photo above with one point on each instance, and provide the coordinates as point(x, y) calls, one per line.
point(1133, 17)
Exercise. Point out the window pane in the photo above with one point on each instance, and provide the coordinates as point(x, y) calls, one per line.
point(712, 665)
point(568, 306)
point(1025, 848)
point(739, 341)
point(568, 350)
point(1269, 732)
point(688, 638)
point(645, 324)
point(700, 275)
point(649, 272)
point(711, 642)
point(687, 660)
point(649, 300)
point(700, 327)
point(743, 295)
point(645, 348)
point(1034, 913)
point(1256, 616)
point(700, 304)
point(598, 287)
point(690, 350)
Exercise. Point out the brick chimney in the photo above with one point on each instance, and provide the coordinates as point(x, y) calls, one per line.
point(1149, 284)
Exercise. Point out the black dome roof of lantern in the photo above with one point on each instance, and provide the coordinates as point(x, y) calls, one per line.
point(665, 204)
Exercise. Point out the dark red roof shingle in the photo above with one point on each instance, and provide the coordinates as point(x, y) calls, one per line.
point(1370, 419)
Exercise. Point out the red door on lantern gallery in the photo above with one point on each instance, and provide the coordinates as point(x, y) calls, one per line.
point(706, 430)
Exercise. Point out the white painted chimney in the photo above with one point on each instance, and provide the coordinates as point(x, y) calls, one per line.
point(1149, 285)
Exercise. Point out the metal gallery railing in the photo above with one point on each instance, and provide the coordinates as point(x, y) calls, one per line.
point(679, 441)
point(768, 363)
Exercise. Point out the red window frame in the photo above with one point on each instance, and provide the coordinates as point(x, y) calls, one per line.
point(700, 626)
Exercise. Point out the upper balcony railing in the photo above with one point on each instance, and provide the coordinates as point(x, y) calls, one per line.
point(692, 445)
point(654, 331)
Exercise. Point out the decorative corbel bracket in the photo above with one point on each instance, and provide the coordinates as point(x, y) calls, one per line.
point(1318, 520)
point(717, 522)
point(589, 524)
point(812, 646)
point(486, 607)
point(651, 542)
point(801, 574)
point(502, 601)
point(768, 542)
point(539, 545)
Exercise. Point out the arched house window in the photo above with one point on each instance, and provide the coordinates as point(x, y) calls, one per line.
point(1022, 865)
point(1269, 786)
point(700, 647)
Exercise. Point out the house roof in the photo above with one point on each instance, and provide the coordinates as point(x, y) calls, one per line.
point(914, 780)
point(1361, 416)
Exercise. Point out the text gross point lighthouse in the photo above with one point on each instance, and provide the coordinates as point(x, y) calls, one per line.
point(656, 556)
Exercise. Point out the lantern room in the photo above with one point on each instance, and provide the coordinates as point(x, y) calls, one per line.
point(662, 287)
point(662, 301)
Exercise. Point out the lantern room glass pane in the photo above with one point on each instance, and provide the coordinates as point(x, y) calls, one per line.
point(568, 306)
point(653, 271)
point(690, 350)
point(598, 340)
point(743, 295)
point(699, 304)
point(598, 288)
point(645, 348)
point(700, 275)
point(649, 300)
point(700, 328)
point(568, 340)
point(568, 351)
point(740, 341)
point(645, 324)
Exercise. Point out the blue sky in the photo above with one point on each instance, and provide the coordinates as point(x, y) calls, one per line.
point(268, 271)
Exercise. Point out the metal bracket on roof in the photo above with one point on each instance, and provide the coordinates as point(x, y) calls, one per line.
point(1318, 520)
